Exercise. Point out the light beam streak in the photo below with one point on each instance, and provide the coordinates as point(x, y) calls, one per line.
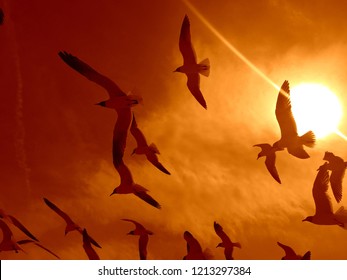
point(239, 54)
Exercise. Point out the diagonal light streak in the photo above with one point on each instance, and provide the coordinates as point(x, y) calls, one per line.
point(239, 54)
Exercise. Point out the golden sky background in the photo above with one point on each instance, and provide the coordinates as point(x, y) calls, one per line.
point(56, 143)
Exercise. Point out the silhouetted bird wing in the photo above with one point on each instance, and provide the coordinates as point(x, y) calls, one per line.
point(7, 243)
point(270, 163)
point(193, 84)
point(120, 133)
point(153, 158)
point(92, 255)
point(25, 241)
point(146, 197)
point(284, 113)
point(143, 240)
point(185, 43)
point(320, 195)
point(137, 133)
point(219, 230)
point(91, 74)
point(290, 254)
point(56, 209)
point(6, 232)
point(336, 178)
point(193, 247)
point(307, 256)
point(125, 174)
point(22, 227)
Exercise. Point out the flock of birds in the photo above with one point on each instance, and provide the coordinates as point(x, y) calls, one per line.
point(125, 122)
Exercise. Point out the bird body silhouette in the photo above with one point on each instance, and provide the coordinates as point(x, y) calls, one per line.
point(291, 255)
point(324, 214)
point(194, 250)
point(289, 135)
point(337, 166)
point(269, 152)
point(190, 67)
point(87, 246)
point(127, 186)
point(118, 100)
point(143, 240)
point(70, 224)
point(226, 243)
point(150, 151)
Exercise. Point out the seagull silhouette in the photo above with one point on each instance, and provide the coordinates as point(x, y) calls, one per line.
point(190, 66)
point(337, 166)
point(143, 240)
point(269, 152)
point(291, 255)
point(143, 148)
point(118, 100)
point(27, 241)
point(324, 211)
point(8, 243)
point(194, 250)
point(70, 224)
point(128, 186)
point(87, 246)
point(16, 223)
point(289, 135)
point(226, 243)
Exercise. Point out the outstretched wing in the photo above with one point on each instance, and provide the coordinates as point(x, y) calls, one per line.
point(22, 227)
point(270, 163)
point(185, 43)
point(25, 241)
point(92, 255)
point(290, 254)
point(137, 133)
point(91, 74)
point(220, 232)
point(193, 84)
point(56, 209)
point(138, 225)
point(143, 240)
point(319, 192)
point(284, 113)
point(147, 198)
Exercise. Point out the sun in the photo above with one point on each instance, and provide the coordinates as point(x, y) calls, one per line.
point(315, 107)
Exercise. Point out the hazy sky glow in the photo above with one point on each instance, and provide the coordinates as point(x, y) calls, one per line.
point(56, 143)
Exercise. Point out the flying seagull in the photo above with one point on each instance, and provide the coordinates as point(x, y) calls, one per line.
point(118, 100)
point(269, 152)
point(324, 211)
point(87, 246)
point(291, 255)
point(16, 223)
point(337, 166)
point(194, 250)
point(289, 135)
point(70, 224)
point(143, 240)
point(128, 186)
point(190, 66)
point(226, 243)
point(143, 148)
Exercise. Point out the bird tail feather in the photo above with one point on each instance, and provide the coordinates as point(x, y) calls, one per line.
point(308, 139)
point(204, 67)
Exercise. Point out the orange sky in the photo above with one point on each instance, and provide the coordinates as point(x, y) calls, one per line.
point(56, 144)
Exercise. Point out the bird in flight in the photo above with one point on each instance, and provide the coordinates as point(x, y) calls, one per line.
point(324, 210)
point(128, 186)
point(194, 250)
point(291, 255)
point(143, 148)
point(16, 223)
point(143, 240)
point(118, 100)
point(226, 243)
point(190, 66)
point(269, 152)
point(337, 166)
point(87, 246)
point(70, 224)
point(289, 135)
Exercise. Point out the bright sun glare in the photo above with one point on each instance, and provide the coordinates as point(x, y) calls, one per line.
point(315, 107)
